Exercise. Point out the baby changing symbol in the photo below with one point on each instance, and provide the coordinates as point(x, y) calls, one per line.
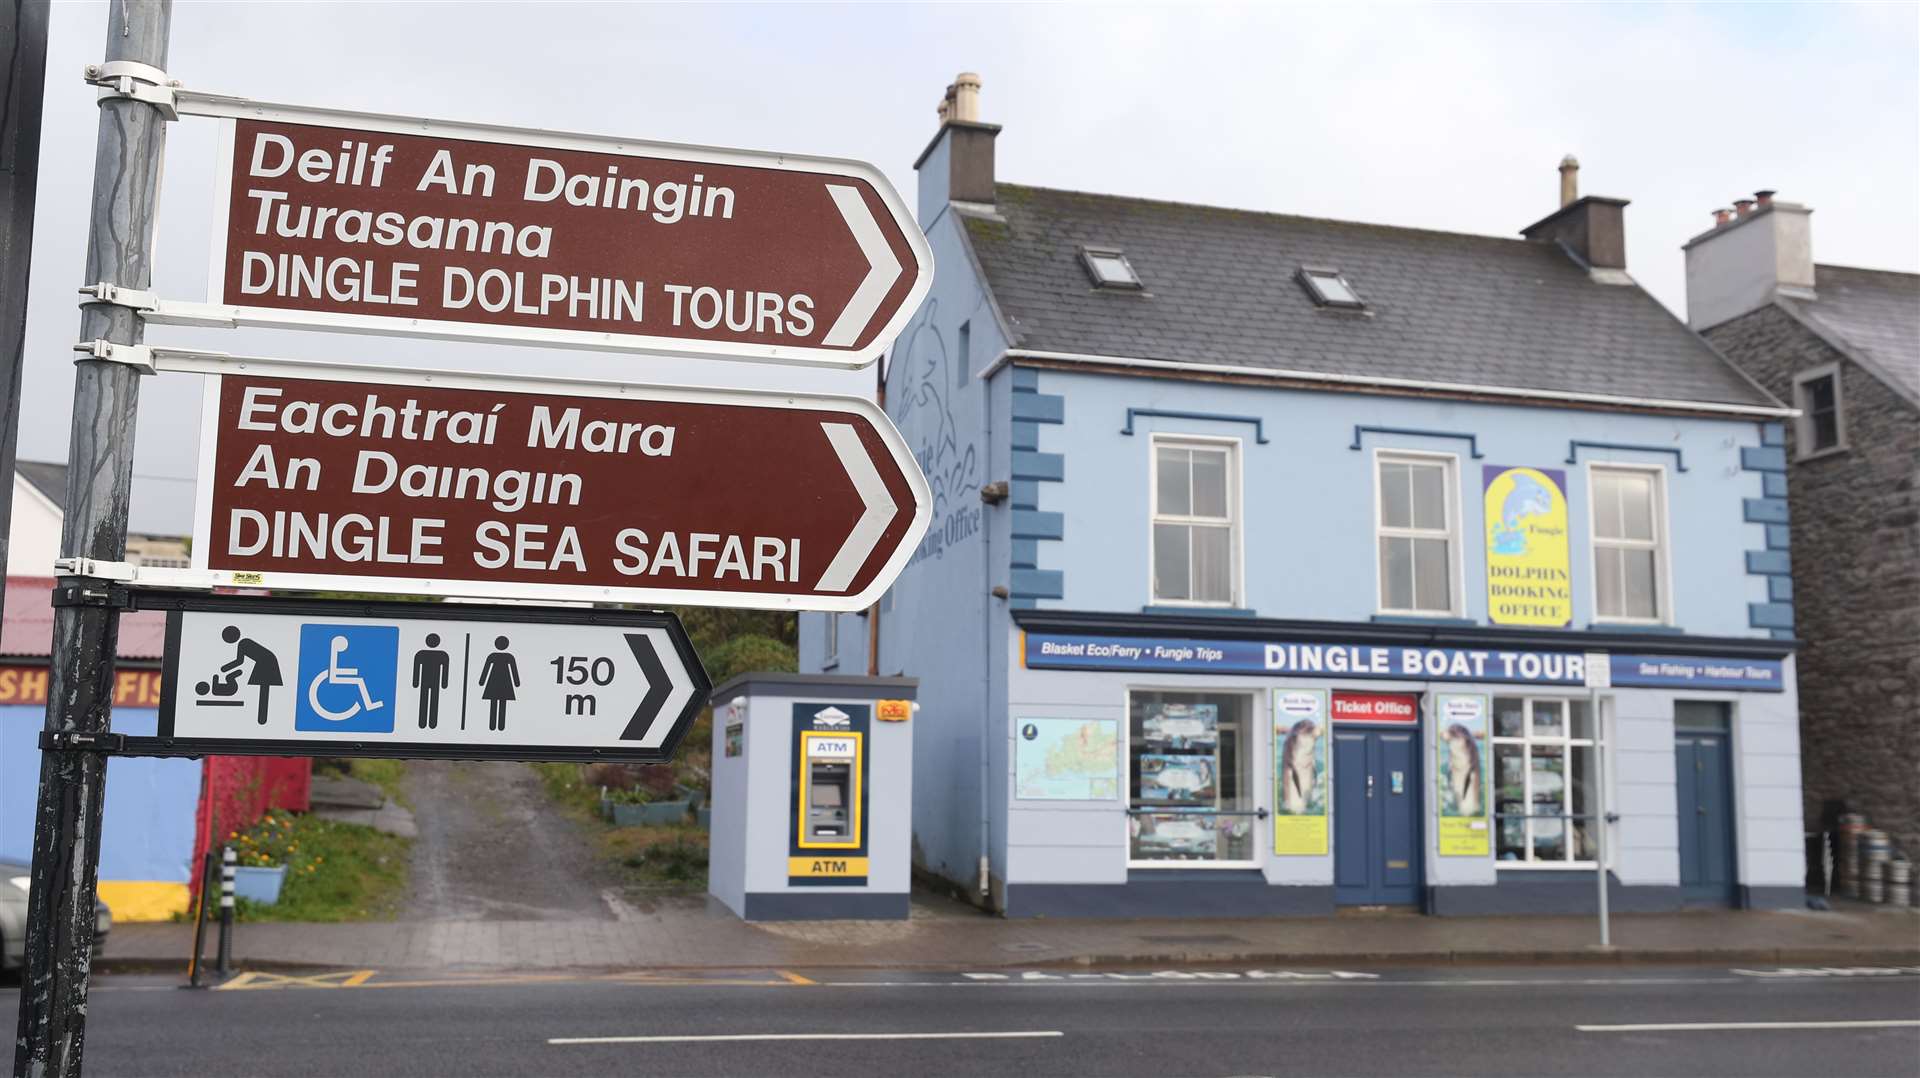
point(347, 677)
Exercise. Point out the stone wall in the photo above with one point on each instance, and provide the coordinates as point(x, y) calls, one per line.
point(1856, 577)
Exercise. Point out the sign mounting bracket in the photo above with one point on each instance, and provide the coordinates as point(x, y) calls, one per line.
point(110, 594)
point(95, 569)
point(141, 82)
point(137, 356)
point(119, 296)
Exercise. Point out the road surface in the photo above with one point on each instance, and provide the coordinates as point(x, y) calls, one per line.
point(1592, 1020)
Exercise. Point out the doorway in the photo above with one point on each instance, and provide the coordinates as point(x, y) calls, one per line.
point(1703, 768)
point(1378, 806)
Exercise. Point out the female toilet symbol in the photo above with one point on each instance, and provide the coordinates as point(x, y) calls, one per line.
point(499, 676)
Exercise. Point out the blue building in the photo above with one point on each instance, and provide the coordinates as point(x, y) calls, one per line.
point(1282, 564)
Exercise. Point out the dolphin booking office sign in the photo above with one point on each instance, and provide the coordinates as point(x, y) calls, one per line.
point(1529, 575)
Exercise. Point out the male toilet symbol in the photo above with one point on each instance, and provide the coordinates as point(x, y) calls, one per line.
point(430, 666)
point(264, 675)
point(499, 676)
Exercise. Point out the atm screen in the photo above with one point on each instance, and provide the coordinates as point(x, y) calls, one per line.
point(824, 796)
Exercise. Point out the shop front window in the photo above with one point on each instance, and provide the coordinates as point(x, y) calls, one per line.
point(1543, 760)
point(1190, 771)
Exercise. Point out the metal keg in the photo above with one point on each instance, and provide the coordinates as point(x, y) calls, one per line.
point(1851, 825)
point(1875, 889)
point(1899, 882)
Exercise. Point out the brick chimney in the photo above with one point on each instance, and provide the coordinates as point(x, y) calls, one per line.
point(957, 166)
point(1762, 250)
point(1592, 229)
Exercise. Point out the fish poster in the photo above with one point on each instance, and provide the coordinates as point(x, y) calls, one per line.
point(1184, 778)
point(1302, 781)
point(1529, 572)
point(1185, 727)
point(1465, 761)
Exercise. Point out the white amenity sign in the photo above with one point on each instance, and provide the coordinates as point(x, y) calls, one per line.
point(455, 682)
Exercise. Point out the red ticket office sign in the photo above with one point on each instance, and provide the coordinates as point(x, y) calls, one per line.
point(1376, 708)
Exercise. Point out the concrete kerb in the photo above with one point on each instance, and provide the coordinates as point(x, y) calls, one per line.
point(1797, 956)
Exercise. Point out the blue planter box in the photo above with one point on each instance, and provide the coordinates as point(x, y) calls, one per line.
point(259, 883)
point(653, 812)
point(703, 817)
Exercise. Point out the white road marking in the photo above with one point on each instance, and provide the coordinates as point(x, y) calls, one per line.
point(882, 267)
point(1691, 1027)
point(879, 512)
point(712, 1037)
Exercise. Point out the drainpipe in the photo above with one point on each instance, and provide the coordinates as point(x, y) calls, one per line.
point(986, 662)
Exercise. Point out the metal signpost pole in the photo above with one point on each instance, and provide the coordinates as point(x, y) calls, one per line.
point(23, 69)
point(1599, 675)
point(66, 833)
point(1600, 813)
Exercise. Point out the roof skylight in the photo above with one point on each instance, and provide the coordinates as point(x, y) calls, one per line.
point(1330, 288)
point(1109, 268)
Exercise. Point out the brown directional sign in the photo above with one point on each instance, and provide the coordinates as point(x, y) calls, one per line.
point(361, 479)
point(335, 220)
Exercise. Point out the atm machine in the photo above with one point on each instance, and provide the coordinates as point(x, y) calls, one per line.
point(812, 796)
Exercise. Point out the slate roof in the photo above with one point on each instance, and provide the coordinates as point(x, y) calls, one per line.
point(47, 477)
point(1221, 288)
point(160, 505)
point(1875, 314)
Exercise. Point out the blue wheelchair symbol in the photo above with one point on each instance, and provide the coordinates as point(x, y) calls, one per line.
point(347, 677)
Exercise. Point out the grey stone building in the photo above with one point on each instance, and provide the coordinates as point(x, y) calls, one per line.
point(1843, 345)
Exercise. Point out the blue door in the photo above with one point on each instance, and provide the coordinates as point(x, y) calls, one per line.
point(1376, 817)
point(1703, 766)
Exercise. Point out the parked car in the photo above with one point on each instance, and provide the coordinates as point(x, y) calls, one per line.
point(13, 916)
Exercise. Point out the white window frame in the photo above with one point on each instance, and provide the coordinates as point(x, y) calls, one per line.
point(1132, 282)
point(830, 655)
point(1456, 589)
point(1598, 742)
point(1803, 424)
point(1257, 720)
point(1235, 513)
point(1662, 551)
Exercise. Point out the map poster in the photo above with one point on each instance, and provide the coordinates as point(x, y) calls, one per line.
point(1066, 759)
point(1461, 744)
point(1302, 781)
point(1529, 574)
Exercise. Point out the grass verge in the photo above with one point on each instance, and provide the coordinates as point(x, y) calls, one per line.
point(335, 871)
point(386, 774)
point(659, 858)
point(653, 858)
point(568, 789)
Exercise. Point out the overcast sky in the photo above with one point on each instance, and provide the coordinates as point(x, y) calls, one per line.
point(1436, 117)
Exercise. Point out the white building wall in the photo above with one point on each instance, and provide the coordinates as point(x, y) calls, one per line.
point(33, 540)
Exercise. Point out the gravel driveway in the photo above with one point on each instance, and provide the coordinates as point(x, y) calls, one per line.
point(493, 847)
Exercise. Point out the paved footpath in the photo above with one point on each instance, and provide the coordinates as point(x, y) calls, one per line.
point(691, 932)
point(492, 848)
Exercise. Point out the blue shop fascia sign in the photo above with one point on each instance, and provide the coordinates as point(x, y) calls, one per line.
point(1075, 651)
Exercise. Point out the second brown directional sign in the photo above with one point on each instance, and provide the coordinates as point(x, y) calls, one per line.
point(362, 479)
point(334, 220)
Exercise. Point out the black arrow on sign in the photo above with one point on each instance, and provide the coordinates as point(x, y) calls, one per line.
point(657, 687)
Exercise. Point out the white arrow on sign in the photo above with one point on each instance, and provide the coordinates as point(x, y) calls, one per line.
point(883, 269)
point(880, 508)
